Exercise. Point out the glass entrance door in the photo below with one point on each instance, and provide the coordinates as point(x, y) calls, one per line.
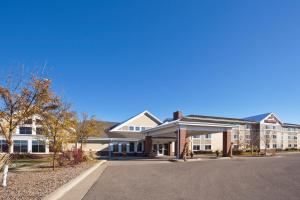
point(160, 150)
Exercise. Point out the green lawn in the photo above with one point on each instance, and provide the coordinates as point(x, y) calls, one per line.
point(18, 164)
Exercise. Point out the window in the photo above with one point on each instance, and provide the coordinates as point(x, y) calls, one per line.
point(124, 148)
point(137, 128)
point(290, 145)
point(131, 128)
point(274, 146)
point(268, 146)
point(295, 145)
point(236, 147)
point(139, 147)
point(196, 147)
point(208, 136)
point(39, 130)
point(115, 148)
point(196, 136)
point(236, 137)
point(3, 146)
point(207, 147)
point(38, 122)
point(270, 127)
point(143, 128)
point(131, 147)
point(38, 146)
point(274, 136)
point(248, 126)
point(20, 146)
point(295, 137)
point(28, 121)
point(25, 130)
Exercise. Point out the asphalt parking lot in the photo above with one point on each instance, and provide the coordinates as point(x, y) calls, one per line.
point(276, 178)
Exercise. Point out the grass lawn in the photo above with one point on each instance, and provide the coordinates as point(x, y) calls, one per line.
point(19, 164)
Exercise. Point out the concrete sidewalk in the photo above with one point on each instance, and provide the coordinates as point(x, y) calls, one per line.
point(83, 186)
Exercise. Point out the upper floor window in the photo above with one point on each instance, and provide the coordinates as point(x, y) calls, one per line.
point(39, 131)
point(270, 127)
point(38, 122)
point(25, 130)
point(28, 121)
point(248, 126)
point(196, 136)
point(208, 136)
point(131, 128)
point(143, 128)
point(137, 128)
point(236, 137)
point(274, 136)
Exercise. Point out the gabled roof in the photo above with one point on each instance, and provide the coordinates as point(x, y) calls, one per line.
point(267, 118)
point(147, 113)
point(258, 118)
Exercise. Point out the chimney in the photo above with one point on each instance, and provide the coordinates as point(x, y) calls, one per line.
point(177, 115)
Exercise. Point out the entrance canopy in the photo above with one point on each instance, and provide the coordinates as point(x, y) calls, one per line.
point(184, 126)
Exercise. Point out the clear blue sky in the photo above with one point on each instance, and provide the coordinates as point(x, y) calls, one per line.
point(115, 59)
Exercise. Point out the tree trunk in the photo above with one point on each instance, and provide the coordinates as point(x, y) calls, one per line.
point(54, 153)
point(10, 148)
point(81, 144)
point(53, 160)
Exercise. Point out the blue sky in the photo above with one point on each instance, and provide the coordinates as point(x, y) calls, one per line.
point(115, 59)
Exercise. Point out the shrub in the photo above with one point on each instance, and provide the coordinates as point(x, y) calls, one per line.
point(202, 152)
point(78, 156)
point(27, 156)
point(71, 157)
point(237, 152)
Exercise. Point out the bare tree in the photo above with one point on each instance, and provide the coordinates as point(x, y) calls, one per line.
point(58, 126)
point(265, 138)
point(85, 127)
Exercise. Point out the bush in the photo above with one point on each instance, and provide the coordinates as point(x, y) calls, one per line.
point(237, 152)
point(71, 157)
point(202, 152)
point(27, 156)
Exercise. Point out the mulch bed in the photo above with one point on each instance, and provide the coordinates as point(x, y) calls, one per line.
point(37, 184)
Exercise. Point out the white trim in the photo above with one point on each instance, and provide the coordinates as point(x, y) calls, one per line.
point(133, 118)
point(263, 120)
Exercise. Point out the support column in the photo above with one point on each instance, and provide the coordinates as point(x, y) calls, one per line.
point(148, 145)
point(181, 142)
point(227, 144)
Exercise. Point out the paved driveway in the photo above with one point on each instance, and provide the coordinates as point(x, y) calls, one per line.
point(275, 178)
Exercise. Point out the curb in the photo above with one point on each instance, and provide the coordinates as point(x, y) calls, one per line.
point(64, 189)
